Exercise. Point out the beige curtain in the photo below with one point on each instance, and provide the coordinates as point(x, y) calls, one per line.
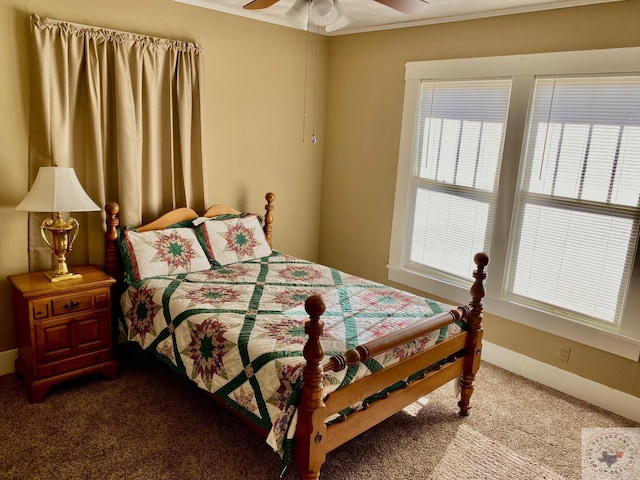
point(124, 111)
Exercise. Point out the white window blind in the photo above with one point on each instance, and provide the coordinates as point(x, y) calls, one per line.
point(457, 155)
point(578, 200)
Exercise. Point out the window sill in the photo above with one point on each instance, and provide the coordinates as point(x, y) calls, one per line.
point(611, 342)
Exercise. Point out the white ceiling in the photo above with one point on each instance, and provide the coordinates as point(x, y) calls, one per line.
point(369, 15)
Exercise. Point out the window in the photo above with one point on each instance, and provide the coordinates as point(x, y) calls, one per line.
point(457, 160)
point(578, 199)
point(536, 160)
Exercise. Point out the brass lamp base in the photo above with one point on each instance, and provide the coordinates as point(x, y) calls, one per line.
point(63, 233)
point(62, 278)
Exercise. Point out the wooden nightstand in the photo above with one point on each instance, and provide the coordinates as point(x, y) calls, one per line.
point(63, 328)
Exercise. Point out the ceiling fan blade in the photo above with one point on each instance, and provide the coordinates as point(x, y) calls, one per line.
point(405, 6)
point(259, 4)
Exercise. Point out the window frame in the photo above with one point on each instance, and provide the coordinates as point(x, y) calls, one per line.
point(623, 339)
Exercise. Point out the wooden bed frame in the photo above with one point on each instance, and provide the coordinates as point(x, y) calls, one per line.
point(313, 437)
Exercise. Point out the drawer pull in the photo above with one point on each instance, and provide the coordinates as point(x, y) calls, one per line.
point(71, 305)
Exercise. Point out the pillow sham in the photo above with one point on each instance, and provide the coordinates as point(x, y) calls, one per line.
point(161, 252)
point(235, 239)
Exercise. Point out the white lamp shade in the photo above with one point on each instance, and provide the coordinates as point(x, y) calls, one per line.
point(57, 189)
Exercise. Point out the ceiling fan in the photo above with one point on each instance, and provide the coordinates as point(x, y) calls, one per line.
point(328, 13)
point(404, 6)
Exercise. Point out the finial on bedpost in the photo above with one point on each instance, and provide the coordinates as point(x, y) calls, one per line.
point(111, 265)
point(474, 328)
point(268, 218)
point(311, 430)
point(477, 289)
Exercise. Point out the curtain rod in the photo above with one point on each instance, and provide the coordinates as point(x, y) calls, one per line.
point(47, 21)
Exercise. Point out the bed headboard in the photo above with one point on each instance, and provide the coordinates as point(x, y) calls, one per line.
point(113, 264)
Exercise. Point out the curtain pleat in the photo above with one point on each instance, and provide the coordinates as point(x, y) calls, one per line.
point(124, 110)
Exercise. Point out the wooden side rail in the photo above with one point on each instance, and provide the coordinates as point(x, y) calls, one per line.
point(371, 384)
point(365, 418)
point(388, 342)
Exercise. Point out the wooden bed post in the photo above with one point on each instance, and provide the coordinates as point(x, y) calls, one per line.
point(311, 431)
point(474, 339)
point(113, 267)
point(268, 218)
point(111, 254)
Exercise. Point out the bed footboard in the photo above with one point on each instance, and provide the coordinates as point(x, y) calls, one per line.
point(458, 357)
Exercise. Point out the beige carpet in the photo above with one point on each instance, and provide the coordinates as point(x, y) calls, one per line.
point(472, 456)
point(150, 424)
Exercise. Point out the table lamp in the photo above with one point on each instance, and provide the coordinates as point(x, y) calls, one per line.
point(57, 189)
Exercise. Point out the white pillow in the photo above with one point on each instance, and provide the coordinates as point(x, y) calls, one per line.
point(233, 240)
point(162, 252)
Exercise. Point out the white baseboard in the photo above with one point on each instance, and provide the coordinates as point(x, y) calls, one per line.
point(7, 360)
point(592, 392)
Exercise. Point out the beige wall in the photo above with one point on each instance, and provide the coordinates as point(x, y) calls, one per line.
point(365, 97)
point(253, 115)
point(254, 109)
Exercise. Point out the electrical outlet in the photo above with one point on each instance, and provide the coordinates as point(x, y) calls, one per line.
point(563, 354)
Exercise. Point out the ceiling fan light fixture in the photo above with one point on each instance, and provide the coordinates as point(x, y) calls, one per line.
point(299, 13)
point(342, 20)
point(323, 12)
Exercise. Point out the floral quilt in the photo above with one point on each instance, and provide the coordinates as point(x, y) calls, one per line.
point(237, 331)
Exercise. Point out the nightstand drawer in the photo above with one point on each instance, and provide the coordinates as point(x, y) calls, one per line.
point(67, 365)
point(71, 303)
point(101, 299)
point(40, 310)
